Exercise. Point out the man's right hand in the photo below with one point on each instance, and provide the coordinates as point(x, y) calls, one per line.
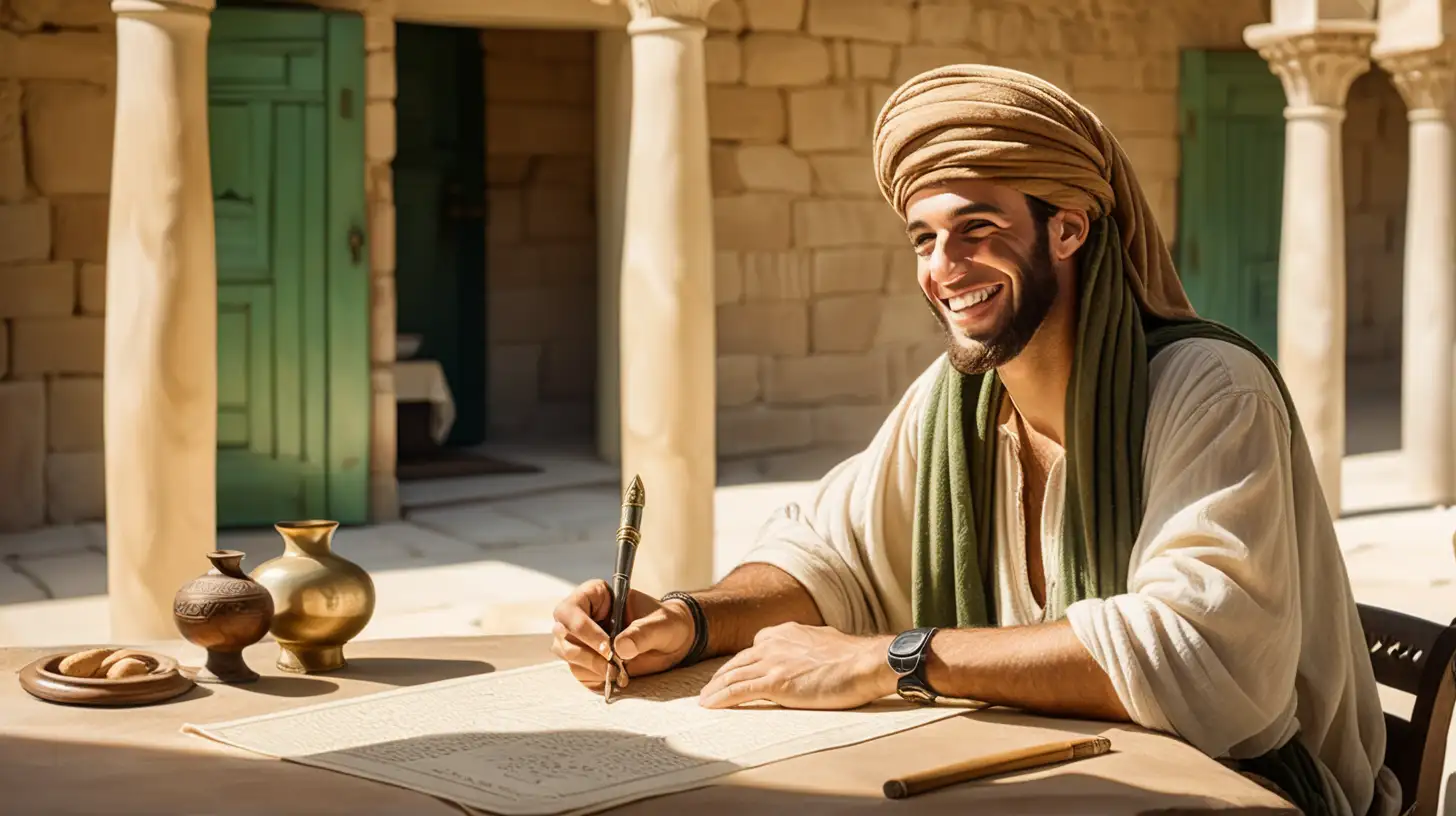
point(656, 636)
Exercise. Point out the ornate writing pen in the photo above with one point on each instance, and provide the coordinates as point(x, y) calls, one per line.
point(628, 535)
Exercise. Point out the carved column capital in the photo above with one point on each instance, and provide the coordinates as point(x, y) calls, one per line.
point(688, 11)
point(1426, 79)
point(1317, 67)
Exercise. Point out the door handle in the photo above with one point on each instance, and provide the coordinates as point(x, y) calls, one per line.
point(356, 244)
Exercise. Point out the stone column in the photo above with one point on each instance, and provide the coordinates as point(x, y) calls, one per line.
point(1424, 79)
point(1316, 67)
point(667, 346)
point(161, 318)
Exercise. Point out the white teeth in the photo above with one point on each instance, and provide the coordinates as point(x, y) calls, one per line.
point(968, 300)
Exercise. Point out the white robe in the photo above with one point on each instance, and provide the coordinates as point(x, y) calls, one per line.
point(1237, 628)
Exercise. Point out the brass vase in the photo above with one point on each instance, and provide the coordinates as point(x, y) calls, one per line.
point(320, 601)
point(223, 611)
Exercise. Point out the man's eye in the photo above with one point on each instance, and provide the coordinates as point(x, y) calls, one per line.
point(922, 239)
point(975, 225)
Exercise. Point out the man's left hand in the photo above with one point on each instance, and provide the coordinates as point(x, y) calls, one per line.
point(799, 666)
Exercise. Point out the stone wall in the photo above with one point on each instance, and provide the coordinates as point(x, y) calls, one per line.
point(379, 148)
point(1377, 148)
point(541, 234)
point(57, 102)
point(821, 325)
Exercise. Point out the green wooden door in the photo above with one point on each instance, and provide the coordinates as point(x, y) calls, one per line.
point(439, 188)
point(285, 126)
point(1231, 191)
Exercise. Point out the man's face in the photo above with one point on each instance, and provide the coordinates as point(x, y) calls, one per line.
point(985, 269)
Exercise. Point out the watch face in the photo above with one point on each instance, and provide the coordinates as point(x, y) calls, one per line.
point(907, 643)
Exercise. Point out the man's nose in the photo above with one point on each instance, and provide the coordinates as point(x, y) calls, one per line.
point(943, 269)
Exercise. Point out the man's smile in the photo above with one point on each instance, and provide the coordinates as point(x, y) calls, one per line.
point(972, 306)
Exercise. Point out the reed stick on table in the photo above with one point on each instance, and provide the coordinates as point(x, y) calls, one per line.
point(1035, 756)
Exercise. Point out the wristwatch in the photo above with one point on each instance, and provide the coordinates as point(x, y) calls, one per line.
point(907, 658)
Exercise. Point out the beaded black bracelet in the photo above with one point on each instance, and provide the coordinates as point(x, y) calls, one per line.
point(700, 627)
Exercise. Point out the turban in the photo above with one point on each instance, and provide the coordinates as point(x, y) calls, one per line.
point(1009, 127)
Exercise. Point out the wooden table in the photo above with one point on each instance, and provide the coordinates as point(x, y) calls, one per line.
point(59, 759)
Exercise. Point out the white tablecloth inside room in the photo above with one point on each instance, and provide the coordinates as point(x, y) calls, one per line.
point(424, 381)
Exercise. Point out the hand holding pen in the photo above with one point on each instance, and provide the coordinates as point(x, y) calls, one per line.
point(629, 534)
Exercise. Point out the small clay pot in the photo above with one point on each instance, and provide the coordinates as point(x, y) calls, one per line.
point(224, 611)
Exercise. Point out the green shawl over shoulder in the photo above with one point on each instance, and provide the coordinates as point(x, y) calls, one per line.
point(1107, 404)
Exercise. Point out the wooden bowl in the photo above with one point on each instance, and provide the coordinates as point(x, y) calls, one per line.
point(43, 679)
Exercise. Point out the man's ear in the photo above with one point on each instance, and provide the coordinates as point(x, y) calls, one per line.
point(1067, 232)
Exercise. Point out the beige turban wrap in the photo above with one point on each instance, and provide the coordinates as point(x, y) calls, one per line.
point(985, 122)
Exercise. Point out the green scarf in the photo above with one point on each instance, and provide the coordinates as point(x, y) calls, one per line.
point(1107, 403)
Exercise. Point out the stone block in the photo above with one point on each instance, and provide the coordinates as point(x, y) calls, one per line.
point(379, 75)
point(562, 213)
point(507, 171)
point(944, 22)
point(539, 45)
point(38, 290)
point(917, 59)
point(80, 228)
point(820, 223)
point(27, 231)
point(723, 59)
point(907, 363)
point(505, 215)
point(514, 389)
point(827, 377)
point(838, 271)
point(1100, 72)
point(570, 264)
point(848, 424)
point(845, 323)
point(512, 79)
point(773, 15)
point(757, 429)
point(746, 114)
point(1153, 157)
point(764, 328)
point(871, 60)
point(74, 419)
point(22, 455)
point(723, 169)
point(836, 175)
point(380, 136)
point(383, 319)
point(4, 349)
point(725, 15)
point(75, 487)
point(771, 168)
point(57, 345)
point(91, 289)
point(569, 371)
point(379, 182)
point(1134, 113)
point(776, 275)
point(879, 95)
point(12, 142)
point(737, 380)
point(832, 118)
point(906, 319)
point(727, 278)
point(84, 56)
point(379, 33)
point(384, 497)
point(784, 60)
point(536, 130)
point(752, 221)
point(536, 315)
point(382, 247)
point(902, 273)
point(887, 21)
point(33, 14)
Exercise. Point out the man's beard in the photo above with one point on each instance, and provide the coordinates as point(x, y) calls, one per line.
point(1038, 291)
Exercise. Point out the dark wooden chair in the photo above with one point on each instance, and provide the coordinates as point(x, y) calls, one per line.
point(1414, 655)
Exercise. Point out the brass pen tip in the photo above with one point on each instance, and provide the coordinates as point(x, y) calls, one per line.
point(635, 494)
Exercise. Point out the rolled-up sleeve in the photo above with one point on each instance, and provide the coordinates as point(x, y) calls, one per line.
point(849, 542)
point(1205, 643)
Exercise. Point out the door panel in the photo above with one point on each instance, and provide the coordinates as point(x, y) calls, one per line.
point(272, 131)
point(1230, 207)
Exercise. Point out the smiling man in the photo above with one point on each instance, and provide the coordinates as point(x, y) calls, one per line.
point(1095, 504)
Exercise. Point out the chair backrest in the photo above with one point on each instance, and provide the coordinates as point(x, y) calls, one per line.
point(1414, 655)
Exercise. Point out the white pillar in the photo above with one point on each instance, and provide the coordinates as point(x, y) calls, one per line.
point(667, 314)
point(1424, 79)
point(1316, 67)
point(161, 318)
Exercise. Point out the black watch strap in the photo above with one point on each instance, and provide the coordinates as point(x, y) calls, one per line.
point(907, 658)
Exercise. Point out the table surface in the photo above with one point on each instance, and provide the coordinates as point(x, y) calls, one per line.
point(69, 759)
